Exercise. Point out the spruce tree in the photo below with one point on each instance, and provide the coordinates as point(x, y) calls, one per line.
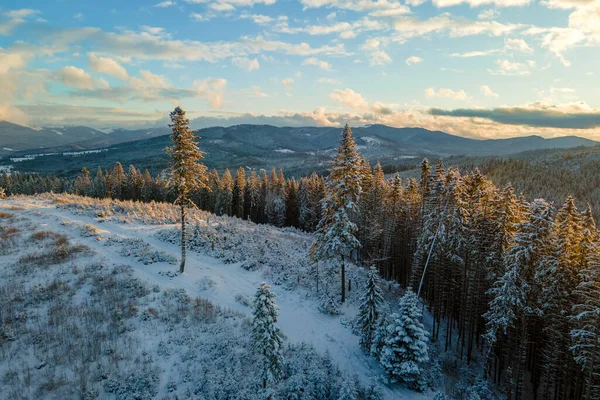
point(186, 172)
point(335, 232)
point(405, 348)
point(267, 336)
point(370, 309)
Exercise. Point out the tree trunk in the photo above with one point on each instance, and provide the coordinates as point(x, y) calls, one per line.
point(182, 266)
point(343, 280)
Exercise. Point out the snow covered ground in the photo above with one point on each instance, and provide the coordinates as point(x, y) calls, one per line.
point(134, 240)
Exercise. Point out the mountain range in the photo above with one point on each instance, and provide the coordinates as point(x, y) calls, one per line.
point(298, 150)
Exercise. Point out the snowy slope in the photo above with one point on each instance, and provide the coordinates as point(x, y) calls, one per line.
point(138, 244)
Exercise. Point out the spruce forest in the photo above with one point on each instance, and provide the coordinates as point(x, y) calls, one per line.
point(510, 287)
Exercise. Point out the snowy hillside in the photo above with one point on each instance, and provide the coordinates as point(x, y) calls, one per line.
point(92, 307)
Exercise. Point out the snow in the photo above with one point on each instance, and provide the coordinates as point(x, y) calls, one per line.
point(371, 141)
point(8, 149)
point(106, 130)
point(285, 151)
point(58, 132)
point(215, 280)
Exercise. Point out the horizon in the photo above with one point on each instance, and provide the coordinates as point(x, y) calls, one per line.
point(484, 70)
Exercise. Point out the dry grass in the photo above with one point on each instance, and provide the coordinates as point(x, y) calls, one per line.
point(5, 215)
point(57, 251)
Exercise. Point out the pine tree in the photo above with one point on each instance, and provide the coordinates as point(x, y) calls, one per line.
point(186, 172)
point(406, 348)
point(239, 192)
point(335, 232)
point(266, 335)
point(348, 391)
point(370, 309)
point(585, 334)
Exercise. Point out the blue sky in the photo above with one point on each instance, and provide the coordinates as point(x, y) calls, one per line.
point(478, 68)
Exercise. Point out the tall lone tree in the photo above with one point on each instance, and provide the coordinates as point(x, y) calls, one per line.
point(186, 173)
point(335, 235)
point(266, 335)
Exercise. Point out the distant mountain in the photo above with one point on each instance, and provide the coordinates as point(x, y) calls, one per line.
point(16, 138)
point(297, 150)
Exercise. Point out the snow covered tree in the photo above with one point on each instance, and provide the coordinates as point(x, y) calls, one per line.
point(370, 308)
point(406, 347)
point(348, 390)
point(335, 232)
point(266, 335)
point(585, 334)
point(186, 172)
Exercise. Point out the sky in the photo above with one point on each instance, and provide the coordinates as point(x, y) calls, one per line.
point(475, 68)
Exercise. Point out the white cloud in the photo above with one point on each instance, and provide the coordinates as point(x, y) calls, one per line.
point(76, 77)
point(245, 63)
point(165, 4)
point(517, 45)
point(198, 17)
point(445, 92)
point(221, 6)
point(318, 63)
point(478, 3)
point(565, 4)
point(287, 83)
point(491, 13)
point(376, 55)
point(78, 17)
point(487, 91)
point(355, 5)
point(409, 27)
point(507, 67)
point(6, 27)
point(213, 89)
point(350, 98)
point(413, 60)
point(329, 81)
point(21, 13)
point(256, 91)
point(107, 66)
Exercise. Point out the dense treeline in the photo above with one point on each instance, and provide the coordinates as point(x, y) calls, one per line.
point(511, 284)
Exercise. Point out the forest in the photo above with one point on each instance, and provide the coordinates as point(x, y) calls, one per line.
point(512, 285)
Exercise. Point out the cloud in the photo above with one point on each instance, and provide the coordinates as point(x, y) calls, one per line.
point(478, 3)
point(470, 54)
point(511, 68)
point(6, 27)
point(76, 77)
point(413, 60)
point(213, 89)
point(21, 13)
point(198, 17)
point(356, 5)
point(345, 30)
point(376, 55)
point(486, 91)
point(245, 63)
point(329, 81)
point(148, 46)
point(106, 65)
point(445, 92)
point(565, 4)
point(165, 4)
point(519, 45)
point(409, 27)
point(318, 63)
point(78, 16)
point(570, 116)
point(350, 98)
point(287, 83)
point(489, 14)
point(256, 91)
